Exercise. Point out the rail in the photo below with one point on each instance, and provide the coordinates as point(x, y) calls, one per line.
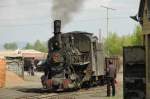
point(48, 97)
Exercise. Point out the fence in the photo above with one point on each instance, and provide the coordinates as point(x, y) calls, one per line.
point(15, 64)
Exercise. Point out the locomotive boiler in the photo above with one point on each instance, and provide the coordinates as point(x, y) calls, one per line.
point(75, 60)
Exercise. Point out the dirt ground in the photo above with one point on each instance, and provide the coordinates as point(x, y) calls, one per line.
point(100, 92)
point(32, 87)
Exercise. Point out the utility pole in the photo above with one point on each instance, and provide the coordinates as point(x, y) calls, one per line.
point(108, 8)
point(100, 35)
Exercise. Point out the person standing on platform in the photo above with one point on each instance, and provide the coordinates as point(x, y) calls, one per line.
point(32, 67)
point(111, 75)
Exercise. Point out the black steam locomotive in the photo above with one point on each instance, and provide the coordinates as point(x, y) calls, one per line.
point(75, 60)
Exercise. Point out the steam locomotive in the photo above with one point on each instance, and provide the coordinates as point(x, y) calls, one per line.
point(75, 60)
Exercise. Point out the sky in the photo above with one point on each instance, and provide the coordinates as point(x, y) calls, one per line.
point(29, 20)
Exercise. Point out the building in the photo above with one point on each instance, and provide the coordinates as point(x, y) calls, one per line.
point(3, 54)
point(143, 17)
point(20, 60)
point(23, 53)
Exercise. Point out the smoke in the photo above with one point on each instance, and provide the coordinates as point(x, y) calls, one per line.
point(63, 9)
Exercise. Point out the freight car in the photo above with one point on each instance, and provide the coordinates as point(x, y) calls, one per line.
point(75, 60)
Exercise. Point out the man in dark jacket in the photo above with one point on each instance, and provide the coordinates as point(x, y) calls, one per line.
point(111, 75)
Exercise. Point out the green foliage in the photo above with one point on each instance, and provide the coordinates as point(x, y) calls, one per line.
point(137, 38)
point(10, 46)
point(114, 44)
point(38, 45)
point(28, 46)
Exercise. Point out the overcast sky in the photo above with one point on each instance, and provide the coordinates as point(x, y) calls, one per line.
point(29, 20)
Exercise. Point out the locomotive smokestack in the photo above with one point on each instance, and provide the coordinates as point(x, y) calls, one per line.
point(57, 34)
point(57, 27)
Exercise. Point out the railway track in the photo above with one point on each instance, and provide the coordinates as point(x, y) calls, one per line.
point(64, 95)
point(48, 96)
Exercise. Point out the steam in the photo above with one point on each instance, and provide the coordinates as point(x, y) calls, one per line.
point(63, 9)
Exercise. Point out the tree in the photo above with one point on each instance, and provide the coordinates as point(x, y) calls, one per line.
point(11, 46)
point(113, 44)
point(28, 46)
point(40, 46)
point(137, 38)
point(126, 40)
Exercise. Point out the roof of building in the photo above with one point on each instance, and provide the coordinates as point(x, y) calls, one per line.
point(22, 53)
point(139, 16)
point(141, 9)
point(8, 53)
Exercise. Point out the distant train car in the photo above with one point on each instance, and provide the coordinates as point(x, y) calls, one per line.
point(75, 60)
